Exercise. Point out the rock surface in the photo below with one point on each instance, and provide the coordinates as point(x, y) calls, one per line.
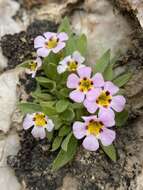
point(8, 98)
point(8, 25)
point(105, 28)
point(134, 5)
point(8, 145)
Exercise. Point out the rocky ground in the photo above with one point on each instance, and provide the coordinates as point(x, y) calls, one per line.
point(108, 24)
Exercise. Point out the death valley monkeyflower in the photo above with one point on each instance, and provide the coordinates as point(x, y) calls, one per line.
point(105, 99)
point(83, 83)
point(39, 121)
point(71, 63)
point(93, 129)
point(33, 66)
point(50, 41)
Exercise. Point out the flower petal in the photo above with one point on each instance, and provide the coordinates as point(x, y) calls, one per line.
point(118, 103)
point(42, 133)
point(107, 136)
point(50, 125)
point(61, 68)
point(90, 106)
point(90, 143)
point(33, 74)
point(107, 118)
point(93, 94)
point(72, 81)
point(62, 36)
point(35, 132)
point(84, 72)
point(43, 52)
point(77, 57)
point(77, 96)
point(39, 61)
point(39, 42)
point(65, 60)
point(28, 121)
point(79, 130)
point(98, 80)
point(38, 132)
point(108, 111)
point(49, 35)
point(109, 86)
point(59, 47)
point(88, 118)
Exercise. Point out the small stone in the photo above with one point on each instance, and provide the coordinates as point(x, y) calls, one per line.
point(69, 183)
point(8, 98)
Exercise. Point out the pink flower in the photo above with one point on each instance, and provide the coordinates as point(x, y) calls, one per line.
point(71, 63)
point(83, 83)
point(39, 121)
point(93, 129)
point(50, 41)
point(105, 99)
point(34, 66)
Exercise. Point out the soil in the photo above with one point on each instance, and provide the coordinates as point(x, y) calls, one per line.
point(92, 170)
point(19, 47)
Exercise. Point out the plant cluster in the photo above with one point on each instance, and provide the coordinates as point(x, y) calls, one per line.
point(72, 100)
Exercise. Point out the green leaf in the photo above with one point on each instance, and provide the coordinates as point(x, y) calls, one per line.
point(68, 115)
point(70, 46)
point(110, 151)
point(42, 96)
point(79, 113)
point(62, 105)
point(26, 63)
point(29, 107)
point(64, 157)
point(82, 44)
point(48, 109)
point(113, 60)
point(49, 136)
point(57, 121)
point(77, 105)
point(64, 92)
point(51, 58)
point(47, 83)
point(121, 118)
point(56, 143)
point(66, 142)
point(122, 79)
point(50, 70)
point(65, 26)
point(102, 63)
point(108, 73)
point(64, 130)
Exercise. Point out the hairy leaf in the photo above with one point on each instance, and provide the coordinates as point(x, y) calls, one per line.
point(121, 118)
point(28, 107)
point(65, 26)
point(62, 105)
point(64, 130)
point(56, 143)
point(64, 157)
point(66, 142)
point(110, 151)
point(122, 79)
point(102, 63)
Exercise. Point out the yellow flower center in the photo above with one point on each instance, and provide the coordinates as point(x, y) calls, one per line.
point(104, 99)
point(52, 43)
point(94, 127)
point(85, 84)
point(40, 120)
point(32, 65)
point(72, 65)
